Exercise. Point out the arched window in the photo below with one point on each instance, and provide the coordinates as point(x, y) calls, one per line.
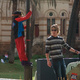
point(63, 16)
point(50, 20)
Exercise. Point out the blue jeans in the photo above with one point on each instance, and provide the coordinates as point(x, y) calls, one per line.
point(59, 68)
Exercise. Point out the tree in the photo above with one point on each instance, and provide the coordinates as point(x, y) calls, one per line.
point(12, 44)
point(71, 36)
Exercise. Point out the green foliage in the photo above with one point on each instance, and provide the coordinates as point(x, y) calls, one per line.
point(75, 56)
point(38, 56)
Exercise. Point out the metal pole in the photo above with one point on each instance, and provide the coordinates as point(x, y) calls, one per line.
point(28, 69)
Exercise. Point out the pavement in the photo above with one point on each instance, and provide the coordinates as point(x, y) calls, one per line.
point(8, 79)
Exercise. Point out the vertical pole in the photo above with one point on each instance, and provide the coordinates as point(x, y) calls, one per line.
point(28, 68)
point(28, 31)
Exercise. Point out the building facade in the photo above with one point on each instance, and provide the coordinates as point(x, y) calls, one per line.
point(47, 16)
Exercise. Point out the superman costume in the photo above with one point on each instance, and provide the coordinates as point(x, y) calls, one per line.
point(18, 29)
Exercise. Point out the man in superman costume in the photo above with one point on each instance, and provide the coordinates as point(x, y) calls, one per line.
point(18, 29)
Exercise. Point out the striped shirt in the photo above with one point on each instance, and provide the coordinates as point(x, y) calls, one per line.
point(54, 46)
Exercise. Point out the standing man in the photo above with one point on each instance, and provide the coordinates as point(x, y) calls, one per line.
point(54, 44)
point(18, 29)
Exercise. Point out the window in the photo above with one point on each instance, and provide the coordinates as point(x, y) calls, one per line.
point(53, 21)
point(50, 14)
point(48, 26)
point(63, 25)
point(50, 21)
point(62, 14)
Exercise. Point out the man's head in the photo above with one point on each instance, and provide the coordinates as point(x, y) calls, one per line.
point(16, 13)
point(55, 29)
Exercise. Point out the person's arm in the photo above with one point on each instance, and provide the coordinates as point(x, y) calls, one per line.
point(24, 18)
point(74, 51)
point(48, 60)
point(47, 49)
point(70, 48)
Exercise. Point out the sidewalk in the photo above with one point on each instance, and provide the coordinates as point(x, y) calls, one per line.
point(8, 79)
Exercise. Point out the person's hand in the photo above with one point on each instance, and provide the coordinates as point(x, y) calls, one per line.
point(30, 9)
point(49, 63)
point(78, 52)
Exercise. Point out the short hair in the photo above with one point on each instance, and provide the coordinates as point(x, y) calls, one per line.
point(56, 27)
point(17, 12)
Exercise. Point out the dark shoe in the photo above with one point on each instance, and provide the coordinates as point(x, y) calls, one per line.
point(26, 63)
